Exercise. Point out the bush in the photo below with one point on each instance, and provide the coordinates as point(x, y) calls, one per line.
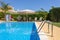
point(1, 15)
point(14, 16)
point(54, 14)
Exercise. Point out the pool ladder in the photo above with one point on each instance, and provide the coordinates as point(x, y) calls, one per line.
point(41, 26)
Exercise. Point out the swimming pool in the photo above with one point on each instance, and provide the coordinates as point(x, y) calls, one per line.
point(18, 31)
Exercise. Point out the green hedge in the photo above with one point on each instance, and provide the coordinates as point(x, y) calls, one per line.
point(27, 16)
point(38, 15)
point(1, 15)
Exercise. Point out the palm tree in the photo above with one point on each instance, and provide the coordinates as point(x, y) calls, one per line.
point(42, 9)
point(5, 7)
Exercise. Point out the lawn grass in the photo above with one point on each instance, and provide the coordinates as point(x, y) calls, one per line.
point(56, 24)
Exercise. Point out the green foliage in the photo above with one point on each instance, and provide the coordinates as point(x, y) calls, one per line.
point(25, 15)
point(54, 14)
point(15, 16)
point(4, 7)
point(56, 24)
point(42, 14)
point(1, 15)
point(48, 17)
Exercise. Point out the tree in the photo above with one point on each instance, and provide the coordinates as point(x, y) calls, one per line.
point(4, 7)
point(55, 14)
point(42, 13)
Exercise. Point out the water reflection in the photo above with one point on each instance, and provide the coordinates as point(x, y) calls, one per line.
point(11, 30)
point(8, 25)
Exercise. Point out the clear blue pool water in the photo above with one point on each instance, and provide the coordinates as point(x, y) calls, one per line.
point(18, 31)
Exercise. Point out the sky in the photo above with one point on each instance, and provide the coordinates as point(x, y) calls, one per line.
point(33, 4)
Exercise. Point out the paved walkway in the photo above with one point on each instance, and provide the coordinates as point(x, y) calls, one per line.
point(56, 32)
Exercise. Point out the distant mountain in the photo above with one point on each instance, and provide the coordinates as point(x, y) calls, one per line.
point(26, 11)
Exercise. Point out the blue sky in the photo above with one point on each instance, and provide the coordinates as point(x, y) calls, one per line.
point(33, 4)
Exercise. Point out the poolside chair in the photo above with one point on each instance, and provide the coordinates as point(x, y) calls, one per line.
point(30, 18)
point(40, 19)
point(35, 19)
point(19, 18)
point(24, 18)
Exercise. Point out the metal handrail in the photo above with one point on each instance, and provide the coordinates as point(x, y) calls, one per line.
point(41, 26)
